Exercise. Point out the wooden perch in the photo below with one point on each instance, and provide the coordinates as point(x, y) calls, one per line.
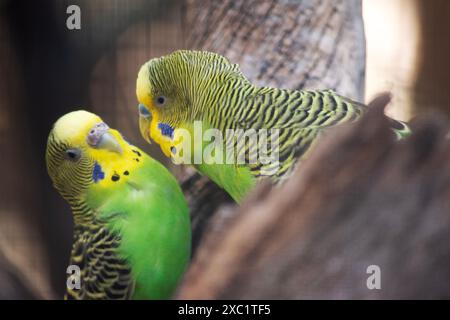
point(360, 199)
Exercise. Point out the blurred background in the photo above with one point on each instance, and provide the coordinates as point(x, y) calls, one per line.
point(358, 48)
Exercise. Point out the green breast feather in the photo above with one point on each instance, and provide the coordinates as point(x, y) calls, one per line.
point(149, 214)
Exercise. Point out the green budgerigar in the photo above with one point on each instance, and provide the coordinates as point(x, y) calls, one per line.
point(132, 234)
point(185, 87)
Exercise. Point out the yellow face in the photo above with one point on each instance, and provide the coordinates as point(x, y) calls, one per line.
point(153, 122)
point(82, 150)
point(174, 91)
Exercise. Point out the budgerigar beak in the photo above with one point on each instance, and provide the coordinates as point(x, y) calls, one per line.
point(144, 125)
point(145, 120)
point(109, 142)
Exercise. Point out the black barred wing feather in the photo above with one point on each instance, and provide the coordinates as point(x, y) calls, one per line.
point(299, 116)
point(104, 274)
point(289, 109)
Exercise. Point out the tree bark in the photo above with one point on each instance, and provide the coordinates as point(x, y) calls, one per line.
point(315, 44)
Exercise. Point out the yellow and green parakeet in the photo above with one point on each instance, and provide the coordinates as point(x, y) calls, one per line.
point(187, 87)
point(132, 235)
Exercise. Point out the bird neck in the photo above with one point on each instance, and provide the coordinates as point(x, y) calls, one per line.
point(83, 215)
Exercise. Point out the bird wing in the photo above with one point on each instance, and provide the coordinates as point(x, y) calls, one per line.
point(104, 274)
point(299, 116)
point(271, 108)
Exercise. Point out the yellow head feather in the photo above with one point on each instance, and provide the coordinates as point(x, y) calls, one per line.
point(72, 159)
point(74, 126)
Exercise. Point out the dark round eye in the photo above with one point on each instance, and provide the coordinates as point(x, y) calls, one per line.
point(161, 100)
point(73, 154)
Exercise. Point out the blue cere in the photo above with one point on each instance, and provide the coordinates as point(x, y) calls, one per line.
point(97, 173)
point(166, 130)
point(144, 111)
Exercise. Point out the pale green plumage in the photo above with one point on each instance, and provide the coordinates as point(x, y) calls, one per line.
point(132, 229)
point(206, 87)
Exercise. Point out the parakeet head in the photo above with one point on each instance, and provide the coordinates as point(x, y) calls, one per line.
point(174, 90)
point(79, 149)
